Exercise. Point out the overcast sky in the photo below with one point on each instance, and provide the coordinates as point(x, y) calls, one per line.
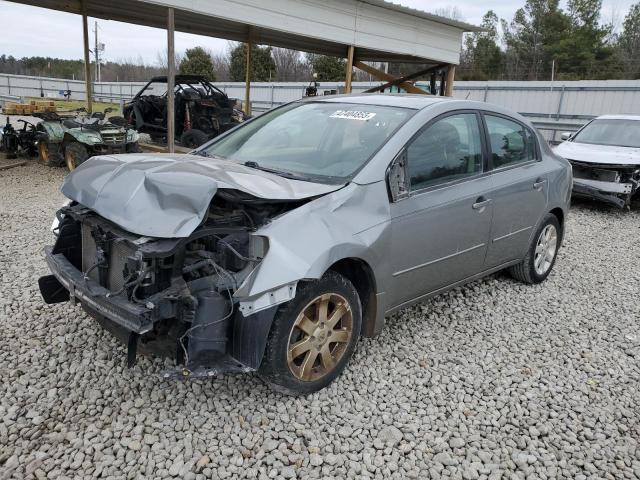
point(28, 31)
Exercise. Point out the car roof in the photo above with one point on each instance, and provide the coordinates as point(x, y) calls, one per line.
point(619, 117)
point(402, 100)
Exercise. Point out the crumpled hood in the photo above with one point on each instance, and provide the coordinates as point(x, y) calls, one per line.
point(166, 195)
point(600, 154)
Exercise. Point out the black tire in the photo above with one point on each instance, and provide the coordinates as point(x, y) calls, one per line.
point(275, 368)
point(133, 147)
point(118, 120)
point(193, 138)
point(50, 154)
point(526, 271)
point(75, 154)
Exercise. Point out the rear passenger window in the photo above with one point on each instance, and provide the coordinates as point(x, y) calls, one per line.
point(448, 150)
point(511, 143)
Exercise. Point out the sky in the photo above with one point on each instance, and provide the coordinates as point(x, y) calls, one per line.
point(59, 34)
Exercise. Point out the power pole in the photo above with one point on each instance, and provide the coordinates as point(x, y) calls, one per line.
point(96, 51)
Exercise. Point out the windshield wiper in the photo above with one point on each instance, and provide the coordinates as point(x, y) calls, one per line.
point(257, 166)
point(201, 153)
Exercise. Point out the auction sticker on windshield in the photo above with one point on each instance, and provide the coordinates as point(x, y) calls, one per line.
point(353, 115)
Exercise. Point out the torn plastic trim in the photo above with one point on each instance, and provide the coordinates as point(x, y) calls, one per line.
point(612, 187)
point(268, 299)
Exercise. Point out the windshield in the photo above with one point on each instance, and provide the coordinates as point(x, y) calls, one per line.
point(618, 133)
point(321, 141)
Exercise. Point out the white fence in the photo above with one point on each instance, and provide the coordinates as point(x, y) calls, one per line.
point(551, 106)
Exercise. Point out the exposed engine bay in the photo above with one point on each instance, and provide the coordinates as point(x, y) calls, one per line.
point(169, 296)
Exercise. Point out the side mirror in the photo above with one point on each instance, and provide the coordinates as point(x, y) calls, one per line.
point(398, 178)
point(566, 135)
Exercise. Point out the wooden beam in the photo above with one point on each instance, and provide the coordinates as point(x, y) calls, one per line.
point(451, 74)
point(349, 67)
point(247, 77)
point(87, 62)
point(406, 78)
point(385, 77)
point(171, 82)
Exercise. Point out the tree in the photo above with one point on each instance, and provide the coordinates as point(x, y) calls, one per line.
point(328, 69)
point(453, 13)
point(290, 65)
point(482, 58)
point(586, 52)
point(536, 29)
point(630, 43)
point(263, 68)
point(197, 61)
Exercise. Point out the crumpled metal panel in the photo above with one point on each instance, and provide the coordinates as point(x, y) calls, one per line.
point(167, 196)
point(306, 241)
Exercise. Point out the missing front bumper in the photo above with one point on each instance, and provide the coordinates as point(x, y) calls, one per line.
point(134, 317)
point(611, 193)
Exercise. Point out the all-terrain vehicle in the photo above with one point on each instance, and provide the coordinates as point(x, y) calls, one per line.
point(73, 140)
point(23, 140)
point(202, 110)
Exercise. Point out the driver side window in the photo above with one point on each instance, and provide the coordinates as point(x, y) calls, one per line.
point(448, 150)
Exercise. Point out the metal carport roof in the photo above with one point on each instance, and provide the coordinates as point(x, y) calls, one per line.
point(360, 30)
point(379, 30)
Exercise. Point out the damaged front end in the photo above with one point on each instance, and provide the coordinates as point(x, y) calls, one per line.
point(612, 184)
point(172, 296)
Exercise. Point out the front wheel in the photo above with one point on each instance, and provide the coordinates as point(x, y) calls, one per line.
point(313, 336)
point(193, 138)
point(49, 154)
point(542, 253)
point(75, 154)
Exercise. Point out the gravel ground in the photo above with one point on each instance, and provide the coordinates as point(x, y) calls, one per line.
point(494, 380)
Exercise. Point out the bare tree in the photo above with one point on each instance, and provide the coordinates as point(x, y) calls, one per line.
point(290, 65)
point(453, 13)
point(161, 58)
point(221, 66)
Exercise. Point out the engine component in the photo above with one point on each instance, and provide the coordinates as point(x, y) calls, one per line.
point(207, 336)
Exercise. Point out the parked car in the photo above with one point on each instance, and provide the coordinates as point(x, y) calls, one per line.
point(605, 155)
point(202, 110)
point(275, 246)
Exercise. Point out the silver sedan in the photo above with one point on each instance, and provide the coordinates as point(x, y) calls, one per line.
point(275, 246)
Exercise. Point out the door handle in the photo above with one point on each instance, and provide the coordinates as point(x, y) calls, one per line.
point(481, 203)
point(539, 183)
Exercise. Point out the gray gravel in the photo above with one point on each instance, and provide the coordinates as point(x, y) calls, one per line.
point(494, 380)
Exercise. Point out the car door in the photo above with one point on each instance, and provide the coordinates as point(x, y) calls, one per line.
point(520, 187)
point(440, 229)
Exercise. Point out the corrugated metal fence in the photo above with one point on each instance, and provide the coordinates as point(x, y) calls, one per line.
point(551, 106)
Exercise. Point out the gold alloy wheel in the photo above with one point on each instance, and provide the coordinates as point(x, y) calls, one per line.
point(319, 337)
point(43, 148)
point(70, 159)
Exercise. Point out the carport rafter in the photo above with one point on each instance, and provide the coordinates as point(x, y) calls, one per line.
point(402, 81)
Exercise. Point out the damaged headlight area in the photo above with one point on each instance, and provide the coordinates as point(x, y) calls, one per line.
point(171, 296)
point(612, 184)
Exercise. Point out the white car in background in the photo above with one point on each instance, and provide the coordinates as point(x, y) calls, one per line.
point(605, 155)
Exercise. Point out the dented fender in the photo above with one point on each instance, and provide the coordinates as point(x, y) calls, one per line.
point(305, 242)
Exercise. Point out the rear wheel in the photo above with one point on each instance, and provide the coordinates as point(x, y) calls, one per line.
point(313, 336)
point(193, 138)
point(542, 253)
point(49, 154)
point(75, 154)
